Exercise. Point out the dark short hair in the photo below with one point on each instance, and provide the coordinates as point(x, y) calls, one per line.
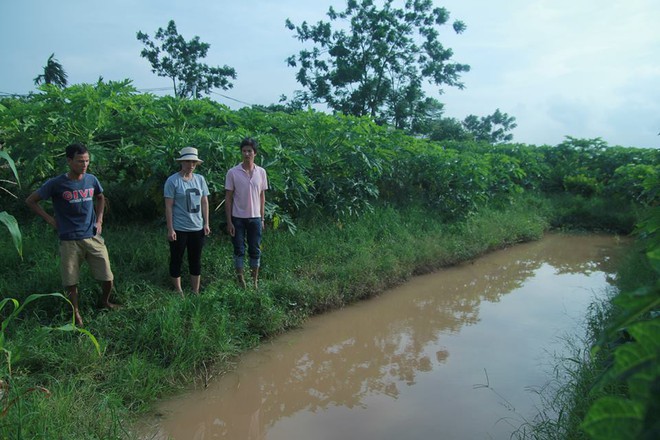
point(248, 141)
point(76, 148)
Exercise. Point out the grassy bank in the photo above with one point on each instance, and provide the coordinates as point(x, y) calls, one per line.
point(158, 343)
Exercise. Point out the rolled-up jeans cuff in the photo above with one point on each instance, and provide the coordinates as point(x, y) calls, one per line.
point(255, 262)
point(238, 262)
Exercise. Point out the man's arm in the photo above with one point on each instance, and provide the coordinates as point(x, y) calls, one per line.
point(99, 208)
point(229, 202)
point(262, 204)
point(33, 203)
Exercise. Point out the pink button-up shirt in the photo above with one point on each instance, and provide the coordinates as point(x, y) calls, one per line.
point(247, 190)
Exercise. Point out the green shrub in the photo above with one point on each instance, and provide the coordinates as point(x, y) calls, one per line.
point(582, 185)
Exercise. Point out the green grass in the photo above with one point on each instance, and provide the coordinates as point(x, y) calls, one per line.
point(159, 343)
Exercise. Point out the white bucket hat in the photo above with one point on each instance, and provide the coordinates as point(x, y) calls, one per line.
point(189, 153)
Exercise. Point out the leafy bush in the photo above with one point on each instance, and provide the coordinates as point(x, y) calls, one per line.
point(636, 182)
point(582, 185)
point(318, 164)
point(636, 358)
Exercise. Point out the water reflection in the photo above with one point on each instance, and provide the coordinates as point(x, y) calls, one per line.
point(372, 351)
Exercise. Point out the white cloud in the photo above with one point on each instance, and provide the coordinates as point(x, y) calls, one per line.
point(568, 67)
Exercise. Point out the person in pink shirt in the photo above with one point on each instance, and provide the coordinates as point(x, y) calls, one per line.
point(245, 200)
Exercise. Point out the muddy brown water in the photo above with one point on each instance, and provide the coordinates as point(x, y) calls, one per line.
point(456, 354)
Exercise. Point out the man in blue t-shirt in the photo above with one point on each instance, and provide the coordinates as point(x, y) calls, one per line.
point(79, 222)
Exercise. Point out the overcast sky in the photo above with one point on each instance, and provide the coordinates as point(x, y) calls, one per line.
point(580, 68)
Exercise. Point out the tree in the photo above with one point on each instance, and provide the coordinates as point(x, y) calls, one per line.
point(446, 129)
point(53, 73)
point(425, 116)
point(492, 128)
point(177, 59)
point(377, 66)
point(284, 104)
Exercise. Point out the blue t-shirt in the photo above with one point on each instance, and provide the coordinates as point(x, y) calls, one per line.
point(187, 195)
point(73, 203)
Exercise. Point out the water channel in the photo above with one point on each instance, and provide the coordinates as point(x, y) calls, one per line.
point(413, 362)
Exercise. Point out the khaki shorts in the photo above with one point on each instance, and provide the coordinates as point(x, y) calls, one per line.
point(92, 250)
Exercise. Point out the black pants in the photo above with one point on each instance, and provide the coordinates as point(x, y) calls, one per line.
point(193, 242)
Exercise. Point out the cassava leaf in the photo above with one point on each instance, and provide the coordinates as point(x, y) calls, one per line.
point(612, 418)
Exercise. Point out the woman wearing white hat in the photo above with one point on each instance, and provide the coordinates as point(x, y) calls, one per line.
point(187, 215)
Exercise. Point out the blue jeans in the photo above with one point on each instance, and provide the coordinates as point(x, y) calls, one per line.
point(250, 227)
